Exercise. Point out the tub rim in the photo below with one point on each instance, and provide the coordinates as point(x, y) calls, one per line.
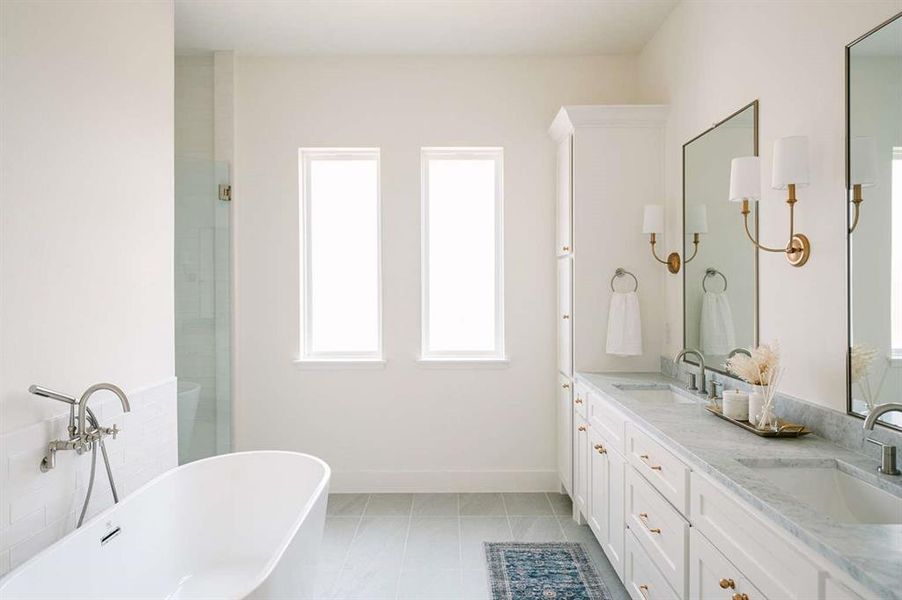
point(270, 565)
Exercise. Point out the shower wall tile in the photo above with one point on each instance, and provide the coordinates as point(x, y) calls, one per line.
point(36, 509)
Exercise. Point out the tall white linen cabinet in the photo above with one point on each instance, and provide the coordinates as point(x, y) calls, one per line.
point(610, 163)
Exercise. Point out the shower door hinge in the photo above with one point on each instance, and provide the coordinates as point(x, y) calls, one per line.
point(225, 192)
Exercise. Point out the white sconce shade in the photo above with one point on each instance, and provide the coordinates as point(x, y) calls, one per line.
point(653, 220)
point(790, 162)
point(745, 179)
point(697, 219)
point(863, 156)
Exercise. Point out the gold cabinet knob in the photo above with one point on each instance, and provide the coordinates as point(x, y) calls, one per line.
point(740, 597)
point(601, 449)
point(578, 401)
point(727, 584)
point(644, 458)
point(566, 386)
point(565, 317)
point(644, 518)
point(581, 428)
point(566, 248)
point(643, 589)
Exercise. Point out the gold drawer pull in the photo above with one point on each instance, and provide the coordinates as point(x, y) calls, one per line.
point(644, 457)
point(727, 584)
point(601, 449)
point(581, 428)
point(578, 401)
point(566, 248)
point(566, 386)
point(565, 317)
point(644, 518)
point(740, 597)
point(643, 589)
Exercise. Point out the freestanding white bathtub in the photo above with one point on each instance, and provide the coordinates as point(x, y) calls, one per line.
point(244, 525)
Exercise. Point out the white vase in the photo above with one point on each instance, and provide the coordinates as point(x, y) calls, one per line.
point(756, 403)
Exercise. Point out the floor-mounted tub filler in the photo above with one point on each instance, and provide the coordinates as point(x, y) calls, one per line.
point(244, 525)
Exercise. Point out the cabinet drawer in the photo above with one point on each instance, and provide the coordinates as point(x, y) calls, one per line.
point(642, 579)
point(660, 467)
point(581, 400)
point(769, 561)
point(608, 421)
point(659, 528)
point(713, 577)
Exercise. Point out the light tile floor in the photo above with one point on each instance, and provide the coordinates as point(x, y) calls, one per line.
point(429, 546)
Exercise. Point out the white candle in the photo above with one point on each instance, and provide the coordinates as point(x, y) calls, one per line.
point(736, 405)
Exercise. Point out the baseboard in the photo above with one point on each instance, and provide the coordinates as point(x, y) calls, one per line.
point(444, 481)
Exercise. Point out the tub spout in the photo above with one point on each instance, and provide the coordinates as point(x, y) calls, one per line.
point(83, 405)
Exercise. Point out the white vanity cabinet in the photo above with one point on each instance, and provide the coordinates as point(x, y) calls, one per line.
point(565, 316)
point(564, 432)
point(605, 502)
point(580, 465)
point(564, 195)
point(610, 163)
point(673, 533)
point(713, 577)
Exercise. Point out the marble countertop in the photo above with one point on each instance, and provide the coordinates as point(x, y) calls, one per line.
point(869, 554)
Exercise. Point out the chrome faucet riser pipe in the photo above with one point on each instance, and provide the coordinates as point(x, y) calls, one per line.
point(83, 403)
point(888, 452)
point(880, 410)
point(701, 365)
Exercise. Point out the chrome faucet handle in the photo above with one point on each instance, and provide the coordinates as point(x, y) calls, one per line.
point(716, 391)
point(692, 387)
point(887, 458)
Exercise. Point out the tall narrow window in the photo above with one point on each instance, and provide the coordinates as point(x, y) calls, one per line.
point(462, 254)
point(340, 247)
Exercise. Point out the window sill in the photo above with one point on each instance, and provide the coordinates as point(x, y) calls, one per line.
point(339, 364)
point(464, 363)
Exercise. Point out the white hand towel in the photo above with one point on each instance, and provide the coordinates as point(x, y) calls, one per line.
point(716, 331)
point(624, 325)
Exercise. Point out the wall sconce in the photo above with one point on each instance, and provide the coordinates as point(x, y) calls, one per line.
point(790, 172)
point(653, 224)
point(697, 224)
point(862, 171)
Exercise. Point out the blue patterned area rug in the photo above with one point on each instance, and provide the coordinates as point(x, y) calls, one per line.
point(547, 571)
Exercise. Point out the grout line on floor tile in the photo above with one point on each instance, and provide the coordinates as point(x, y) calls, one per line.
point(404, 552)
point(344, 563)
point(561, 527)
point(507, 516)
point(460, 539)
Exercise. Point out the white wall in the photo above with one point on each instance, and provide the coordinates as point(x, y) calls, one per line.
point(405, 427)
point(86, 244)
point(711, 58)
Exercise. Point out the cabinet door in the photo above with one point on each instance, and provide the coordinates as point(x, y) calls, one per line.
point(580, 464)
point(712, 576)
point(599, 484)
point(564, 196)
point(565, 317)
point(642, 579)
point(565, 433)
point(616, 526)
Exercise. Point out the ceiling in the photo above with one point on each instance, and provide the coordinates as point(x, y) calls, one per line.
point(418, 27)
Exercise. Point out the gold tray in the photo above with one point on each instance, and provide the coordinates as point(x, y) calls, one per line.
point(787, 430)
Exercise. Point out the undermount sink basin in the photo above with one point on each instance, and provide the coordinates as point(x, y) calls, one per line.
point(833, 490)
point(659, 394)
